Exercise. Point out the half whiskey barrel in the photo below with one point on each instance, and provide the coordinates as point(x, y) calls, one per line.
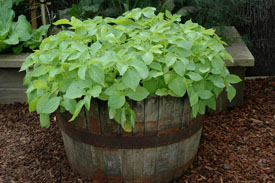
point(159, 149)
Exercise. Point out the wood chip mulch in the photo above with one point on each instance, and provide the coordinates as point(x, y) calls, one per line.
point(236, 146)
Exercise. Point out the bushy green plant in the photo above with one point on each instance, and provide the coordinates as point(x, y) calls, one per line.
point(112, 8)
point(17, 34)
point(132, 56)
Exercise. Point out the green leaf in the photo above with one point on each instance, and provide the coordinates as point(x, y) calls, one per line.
point(195, 110)
point(218, 63)
point(82, 71)
point(116, 101)
point(149, 12)
point(193, 96)
point(45, 120)
point(211, 102)
point(156, 66)
point(95, 47)
point(97, 74)
point(231, 92)
point(17, 49)
point(112, 113)
point(41, 102)
point(150, 85)
point(70, 105)
point(40, 84)
point(77, 109)
point(140, 93)
point(51, 105)
point(233, 78)
point(74, 91)
point(122, 68)
point(194, 76)
point(33, 103)
point(38, 71)
point(162, 92)
point(179, 68)
point(95, 91)
point(205, 94)
point(87, 100)
point(170, 59)
point(217, 81)
point(141, 68)
point(177, 86)
point(148, 58)
point(209, 32)
point(131, 79)
point(62, 21)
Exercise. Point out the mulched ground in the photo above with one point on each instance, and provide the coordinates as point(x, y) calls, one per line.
point(236, 145)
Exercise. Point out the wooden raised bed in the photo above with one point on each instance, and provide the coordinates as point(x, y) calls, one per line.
point(242, 59)
point(161, 147)
point(11, 80)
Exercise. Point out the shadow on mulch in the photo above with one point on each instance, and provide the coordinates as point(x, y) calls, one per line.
point(236, 145)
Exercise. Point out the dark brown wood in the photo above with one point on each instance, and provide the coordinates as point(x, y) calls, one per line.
point(109, 126)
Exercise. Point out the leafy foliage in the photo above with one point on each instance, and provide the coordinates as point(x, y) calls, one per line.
point(17, 34)
point(132, 56)
point(112, 8)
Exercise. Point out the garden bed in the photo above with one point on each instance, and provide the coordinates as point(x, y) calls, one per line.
point(236, 145)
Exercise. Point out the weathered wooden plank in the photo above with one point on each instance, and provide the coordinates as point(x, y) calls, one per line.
point(113, 162)
point(11, 78)
point(238, 49)
point(108, 126)
point(151, 115)
point(191, 146)
point(138, 157)
point(149, 168)
point(99, 163)
point(127, 165)
point(166, 162)
point(186, 111)
point(81, 121)
point(170, 114)
point(84, 161)
point(10, 95)
point(93, 118)
point(138, 107)
point(69, 148)
point(12, 60)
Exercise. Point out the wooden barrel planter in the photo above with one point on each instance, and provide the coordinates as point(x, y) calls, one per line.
point(160, 148)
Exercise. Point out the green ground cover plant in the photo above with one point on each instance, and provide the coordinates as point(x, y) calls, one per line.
point(131, 56)
point(17, 34)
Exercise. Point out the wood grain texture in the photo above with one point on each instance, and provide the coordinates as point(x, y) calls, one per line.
point(139, 109)
point(11, 60)
point(113, 162)
point(11, 78)
point(170, 113)
point(151, 115)
point(93, 117)
point(127, 165)
point(81, 121)
point(10, 95)
point(108, 126)
point(83, 156)
point(186, 112)
point(149, 167)
point(69, 148)
point(155, 165)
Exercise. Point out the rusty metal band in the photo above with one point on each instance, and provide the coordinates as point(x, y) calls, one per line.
point(130, 142)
